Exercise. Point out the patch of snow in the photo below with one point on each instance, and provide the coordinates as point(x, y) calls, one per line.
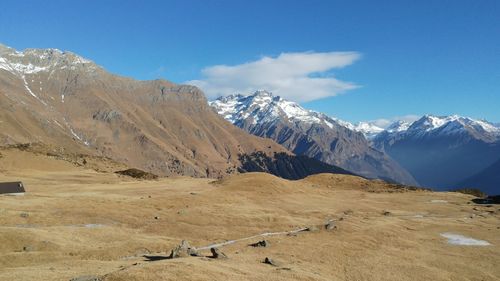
point(368, 129)
point(93, 225)
point(328, 124)
point(81, 60)
point(58, 124)
point(32, 61)
point(31, 92)
point(262, 107)
point(345, 124)
point(4, 64)
point(430, 126)
point(74, 134)
point(452, 124)
point(457, 239)
point(16, 54)
point(87, 143)
point(27, 68)
point(398, 126)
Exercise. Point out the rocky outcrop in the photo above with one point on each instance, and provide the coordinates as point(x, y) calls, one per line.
point(183, 250)
point(217, 254)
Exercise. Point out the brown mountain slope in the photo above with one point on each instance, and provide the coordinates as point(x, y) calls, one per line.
point(61, 99)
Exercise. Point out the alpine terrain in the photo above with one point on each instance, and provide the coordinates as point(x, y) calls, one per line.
point(309, 133)
point(71, 105)
point(445, 151)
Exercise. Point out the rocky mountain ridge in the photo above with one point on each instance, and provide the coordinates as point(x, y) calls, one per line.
point(58, 98)
point(442, 151)
point(309, 133)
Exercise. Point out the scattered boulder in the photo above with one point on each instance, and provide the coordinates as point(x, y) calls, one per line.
point(28, 248)
point(193, 252)
point(183, 250)
point(330, 225)
point(386, 213)
point(157, 217)
point(24, 215)
point(87, 278)
point(263, 243)
point(271, 262)
point(217, 254)
point(312, 228)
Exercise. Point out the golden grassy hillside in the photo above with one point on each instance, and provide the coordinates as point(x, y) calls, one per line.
point(74, 222)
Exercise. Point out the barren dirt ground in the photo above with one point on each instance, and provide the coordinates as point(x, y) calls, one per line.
point(74, 222)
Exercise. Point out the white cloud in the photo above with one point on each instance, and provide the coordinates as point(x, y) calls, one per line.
point(299, 77)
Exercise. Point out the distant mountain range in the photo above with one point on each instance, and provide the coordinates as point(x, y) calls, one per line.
point(73, 105)
point(441, 152)
point(488, 180)
point(309, 133)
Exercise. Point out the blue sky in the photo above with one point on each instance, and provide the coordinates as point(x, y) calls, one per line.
point(409, 57)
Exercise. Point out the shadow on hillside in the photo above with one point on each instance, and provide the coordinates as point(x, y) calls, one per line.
point(488, 200)
point(155, 258)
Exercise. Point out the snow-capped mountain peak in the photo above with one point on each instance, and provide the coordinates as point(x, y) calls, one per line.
point(369, 129)
point(432, 126)
point(398, 126)
point(452, 124)
point(264, 107)
point(32, 61)
point(307, 132)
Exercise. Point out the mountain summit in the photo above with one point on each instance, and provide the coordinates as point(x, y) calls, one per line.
point(310, 133)
point(442, 151)
point(33, 61)
point(69, 103)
